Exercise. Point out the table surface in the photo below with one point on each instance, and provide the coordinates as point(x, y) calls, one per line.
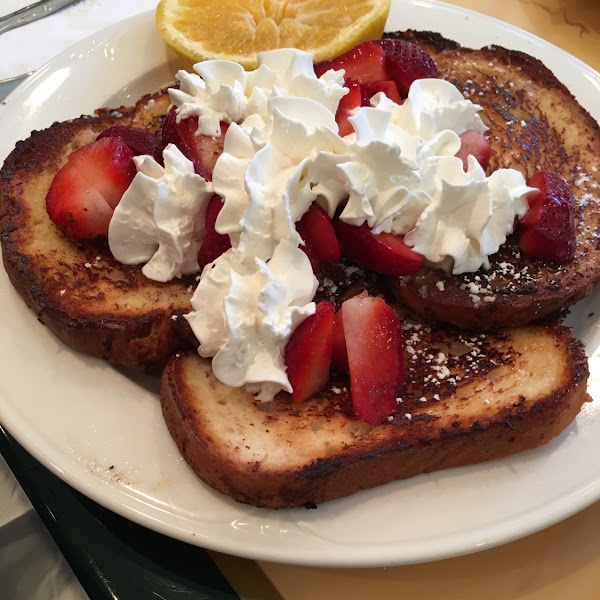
point(561, 562)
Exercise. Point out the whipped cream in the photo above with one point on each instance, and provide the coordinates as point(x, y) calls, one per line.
point(160, 218)
point(403, 177)
point(254, 306)
point(282, 151)
point(223, 91)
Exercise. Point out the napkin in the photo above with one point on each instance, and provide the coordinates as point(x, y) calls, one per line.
point(29, 47)
point(31, 565)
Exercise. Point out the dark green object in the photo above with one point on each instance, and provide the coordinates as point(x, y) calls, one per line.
point(113, 558)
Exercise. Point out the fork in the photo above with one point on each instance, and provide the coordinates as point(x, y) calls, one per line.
point(31, 13)
point(26, 15)
point(9, 84)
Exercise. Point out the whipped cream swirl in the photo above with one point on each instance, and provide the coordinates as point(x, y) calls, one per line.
point(253, 306)
point(282, 151)
point(160, 218)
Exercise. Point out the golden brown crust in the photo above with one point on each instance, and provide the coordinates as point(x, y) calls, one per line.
point(112, 311)
point(284, 454)
point(90, 301)
point(535, 124)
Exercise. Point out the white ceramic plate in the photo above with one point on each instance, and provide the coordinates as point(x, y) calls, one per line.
point(101, 430)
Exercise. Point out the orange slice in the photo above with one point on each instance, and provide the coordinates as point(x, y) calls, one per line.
point(238, 29)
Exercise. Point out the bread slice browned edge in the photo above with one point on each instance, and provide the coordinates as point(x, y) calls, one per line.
point(535, 123)
point(86, 298)
point(525, 390)
point(104, 309)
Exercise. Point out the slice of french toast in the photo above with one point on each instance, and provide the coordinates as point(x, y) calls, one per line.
point(535, 124)
point(467, 397)
point(93, 303)
point(105, 309)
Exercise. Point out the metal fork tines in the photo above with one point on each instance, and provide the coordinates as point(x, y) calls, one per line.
point(31, 13)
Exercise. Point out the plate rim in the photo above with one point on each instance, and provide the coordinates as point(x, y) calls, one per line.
point(131, 510)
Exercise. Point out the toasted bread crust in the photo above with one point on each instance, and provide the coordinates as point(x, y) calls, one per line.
point(283, 454)
point(535, 124)
point(504, 401)
point(90, 301)
point(105, 309)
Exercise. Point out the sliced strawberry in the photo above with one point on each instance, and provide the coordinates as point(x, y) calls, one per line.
point(311, 255)
point(141, 141)
point(202, 150)
point(473, 142)
point(406, 62)
point(212, 212)
point(348, 106)
point(389, 88)
point(548, 228)
point(85, 191)
point(308, 353)
point(339, 353)
point(383, 253)
point(365, 62)
point(214, 243)
point(374, 342)
point(316, 229)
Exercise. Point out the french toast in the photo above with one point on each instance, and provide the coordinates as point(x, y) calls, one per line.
point(92, 303)
point(535, 124)
point(467, 398)
point(103, 308)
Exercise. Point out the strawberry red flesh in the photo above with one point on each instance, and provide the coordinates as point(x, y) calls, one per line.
point(365, 62)
point(389, 88)
point(308, 249)
point(473, 142)
point(383, 253)
point(85, 191)
point(339, 353)
point(547, 230)
point(348, 106)
point(141, 141)
point(374, 343)
point(308, 353)
point(316, 229)
point(214, 243)
point(202, 150)
point(406, 62)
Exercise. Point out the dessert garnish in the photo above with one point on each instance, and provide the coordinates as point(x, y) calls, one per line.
point(267, 175)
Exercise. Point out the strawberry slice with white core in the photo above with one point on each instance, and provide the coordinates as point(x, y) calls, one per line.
point(86, 190)
point(374, 344)
point(308, 353)
point(365, 62)
point(203, 150)
point(473, 143)
point(547, 230)
point(383, 253)
point(406, 62)
point(317, 232)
